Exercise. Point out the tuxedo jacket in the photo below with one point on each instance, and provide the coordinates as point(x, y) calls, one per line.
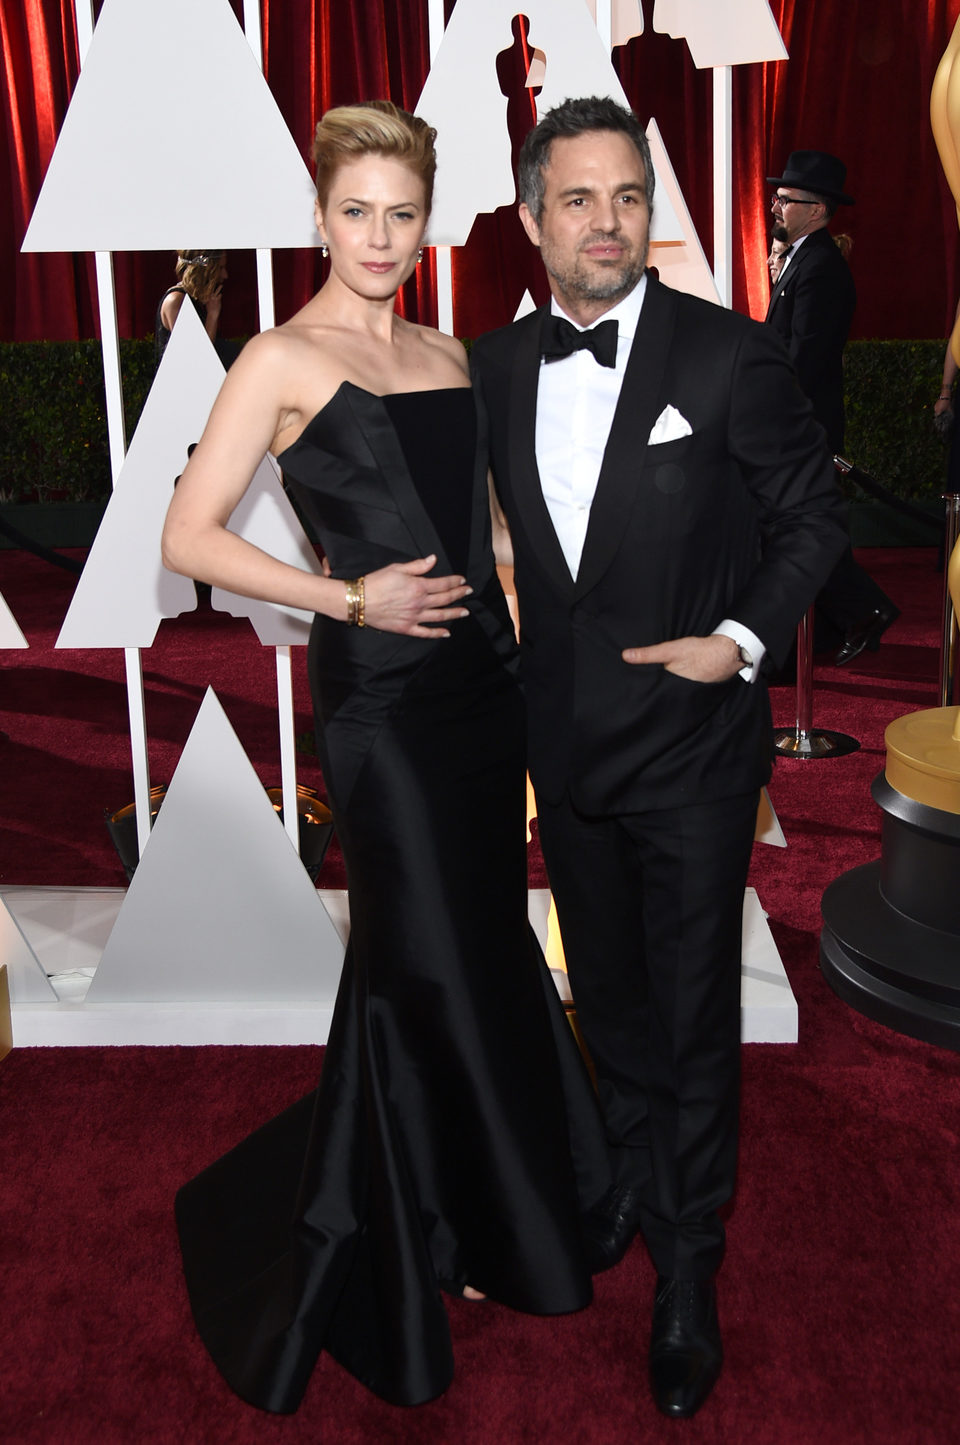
point(811, 308)
point(740, 519)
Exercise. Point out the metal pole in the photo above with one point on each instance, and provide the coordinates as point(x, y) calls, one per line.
point(949, 638)
point(723, 181)
point(805, 673)
point(113, 391)
point(443, 254)
point(252, 29)
point(806, 741)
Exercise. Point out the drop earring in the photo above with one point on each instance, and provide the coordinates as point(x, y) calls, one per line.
point(419, 255)
point(324, 252)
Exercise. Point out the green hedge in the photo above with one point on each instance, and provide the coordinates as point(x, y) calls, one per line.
point(891, 387)
point(53, 437)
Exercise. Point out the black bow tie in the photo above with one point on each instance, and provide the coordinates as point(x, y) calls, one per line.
point(559, 339)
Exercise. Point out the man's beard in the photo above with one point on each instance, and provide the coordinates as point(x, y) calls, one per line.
point(611, 283)
point(780, 233)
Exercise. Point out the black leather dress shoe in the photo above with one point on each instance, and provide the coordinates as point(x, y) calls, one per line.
point(611, 1226)
point(686, 1352)
point(865, 635)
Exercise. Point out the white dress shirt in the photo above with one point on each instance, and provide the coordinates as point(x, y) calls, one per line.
point(576, 400)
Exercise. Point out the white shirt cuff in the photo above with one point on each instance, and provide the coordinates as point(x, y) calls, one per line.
point(746, 639)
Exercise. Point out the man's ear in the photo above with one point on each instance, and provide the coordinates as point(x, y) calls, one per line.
point(529, 224)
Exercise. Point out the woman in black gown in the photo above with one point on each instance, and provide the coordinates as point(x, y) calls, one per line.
point(453, 1142)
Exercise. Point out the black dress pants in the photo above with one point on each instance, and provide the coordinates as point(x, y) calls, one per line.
point(651, 908)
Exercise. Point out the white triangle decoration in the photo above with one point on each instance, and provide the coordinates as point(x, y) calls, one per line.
point(527, 304)
point(220, 907)
point(768, 829)
point(28, 982)
point(474, 166)
point(10, 634)
point(124, 589)
point(172, 139)
point(463, 99)
point(265, 516)
point(679, 258)
point(736, 32)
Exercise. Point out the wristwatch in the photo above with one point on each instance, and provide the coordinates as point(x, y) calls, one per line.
point(745, 659)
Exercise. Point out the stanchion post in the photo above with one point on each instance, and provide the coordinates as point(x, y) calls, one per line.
point(950, 636)
point(806, 741)
point(805, 673)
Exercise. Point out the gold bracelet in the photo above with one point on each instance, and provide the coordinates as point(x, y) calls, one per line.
point(355, 603)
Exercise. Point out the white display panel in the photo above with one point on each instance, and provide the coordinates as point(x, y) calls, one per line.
point(626, 18)
point(265, 517)
point(680, 261)
point(172, 139)
point(27, 981)
point(10, 634)
point(463, 99)
point(67, 928)
point(735, 32)
point(124, 590)
point(220, 907)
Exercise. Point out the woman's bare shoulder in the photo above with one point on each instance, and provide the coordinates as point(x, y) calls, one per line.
point(445, 348)
point(286, 352)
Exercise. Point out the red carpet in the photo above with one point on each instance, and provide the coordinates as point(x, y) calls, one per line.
point(839, 1297)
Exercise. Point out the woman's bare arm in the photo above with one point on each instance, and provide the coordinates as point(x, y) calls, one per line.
point(170, 308)
point(247, 417)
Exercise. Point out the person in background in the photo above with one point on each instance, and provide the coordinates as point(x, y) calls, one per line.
point(811, 308)
point(844, 244)
point(200, 276)
point(775, 259)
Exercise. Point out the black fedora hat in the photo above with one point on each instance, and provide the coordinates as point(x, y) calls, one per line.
point(815, 171)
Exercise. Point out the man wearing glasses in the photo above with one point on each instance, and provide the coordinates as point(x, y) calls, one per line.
point(811, 308)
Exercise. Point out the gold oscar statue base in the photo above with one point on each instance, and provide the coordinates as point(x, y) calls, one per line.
point(890, 945)
point(923, 757)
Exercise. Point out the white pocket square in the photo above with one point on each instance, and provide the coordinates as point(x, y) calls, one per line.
point(669, 427)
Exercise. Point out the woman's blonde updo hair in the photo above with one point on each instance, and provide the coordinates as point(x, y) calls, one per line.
point(376, 128)
point(199, 273)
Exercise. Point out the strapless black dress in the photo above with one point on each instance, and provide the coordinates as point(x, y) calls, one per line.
point(454, 1137)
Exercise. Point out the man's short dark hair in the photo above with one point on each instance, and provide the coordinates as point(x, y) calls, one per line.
point(568, 120)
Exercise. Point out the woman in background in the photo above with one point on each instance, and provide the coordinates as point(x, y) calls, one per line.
point(200, 275)
point(453, 1142)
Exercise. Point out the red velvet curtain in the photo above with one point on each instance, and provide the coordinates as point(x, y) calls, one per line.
point(857, 84)
point(44, 295)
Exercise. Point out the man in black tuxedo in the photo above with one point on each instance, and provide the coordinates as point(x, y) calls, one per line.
point(811, 308)
point(673, 511)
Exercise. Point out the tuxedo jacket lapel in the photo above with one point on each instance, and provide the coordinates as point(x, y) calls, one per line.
point(638, 407)
point(798, 259)
point(528, 493)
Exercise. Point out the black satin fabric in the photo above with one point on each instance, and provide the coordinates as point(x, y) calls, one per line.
point(454, 1137)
